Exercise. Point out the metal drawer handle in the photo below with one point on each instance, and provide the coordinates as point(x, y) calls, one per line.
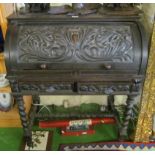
point(43, 66)
point(107, 66)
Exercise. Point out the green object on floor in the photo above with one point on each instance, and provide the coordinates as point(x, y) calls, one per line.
point(11, 138)
point(77, 110)
point(103, 133)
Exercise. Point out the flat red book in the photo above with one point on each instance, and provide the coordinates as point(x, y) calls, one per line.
point(64, 132)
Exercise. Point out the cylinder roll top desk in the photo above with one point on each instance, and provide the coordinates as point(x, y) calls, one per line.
point(99, 53)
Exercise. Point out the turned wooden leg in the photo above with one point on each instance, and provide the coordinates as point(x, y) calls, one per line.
point(111, 106)
point(33, 111)
point(129, 108)
point(24, 121)
point(36, 101)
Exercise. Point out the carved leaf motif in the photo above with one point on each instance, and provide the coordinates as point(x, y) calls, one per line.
point(92, 43)
point(107, 89)
point(38, 44)
point(108, 44)
point(44, 87)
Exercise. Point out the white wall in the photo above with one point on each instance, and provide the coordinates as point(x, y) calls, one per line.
point(73, 100)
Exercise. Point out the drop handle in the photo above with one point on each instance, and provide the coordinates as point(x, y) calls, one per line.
point(43, 66)
point(75, 87)
point(107, 66)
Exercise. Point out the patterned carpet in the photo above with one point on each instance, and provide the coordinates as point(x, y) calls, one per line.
point(41, 141)
point(106, 146)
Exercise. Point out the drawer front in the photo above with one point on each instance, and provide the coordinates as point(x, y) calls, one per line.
point(110, 88)
point(80, 88)
point(45, 87)
point(100, 88)
point(102, 46)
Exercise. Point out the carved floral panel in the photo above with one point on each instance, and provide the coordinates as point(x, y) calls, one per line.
point(70, 43)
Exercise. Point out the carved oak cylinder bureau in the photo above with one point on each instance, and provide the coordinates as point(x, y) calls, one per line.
point(58, 54)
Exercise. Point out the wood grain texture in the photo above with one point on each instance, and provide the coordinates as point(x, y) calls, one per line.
point(12, 118)
point(2, 64)
point(5, 90)
point(5, 11)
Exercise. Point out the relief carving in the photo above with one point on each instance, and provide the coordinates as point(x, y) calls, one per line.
point(105, 89)
point(44, 87)
point(69, 43)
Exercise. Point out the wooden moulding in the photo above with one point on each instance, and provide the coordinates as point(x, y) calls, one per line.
point(5, 11)
point(2, 64)
point(5, 90)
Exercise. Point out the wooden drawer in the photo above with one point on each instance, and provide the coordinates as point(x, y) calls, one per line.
point(104, 88)
point(45, 87)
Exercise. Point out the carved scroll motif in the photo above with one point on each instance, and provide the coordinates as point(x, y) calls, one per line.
point(45, 87)
point(69, 43)
point(106, 89)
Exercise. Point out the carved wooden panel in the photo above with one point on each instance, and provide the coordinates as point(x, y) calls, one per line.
point(44, 87)
point(106, 89)
point(70, 43)
point(84, 88)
